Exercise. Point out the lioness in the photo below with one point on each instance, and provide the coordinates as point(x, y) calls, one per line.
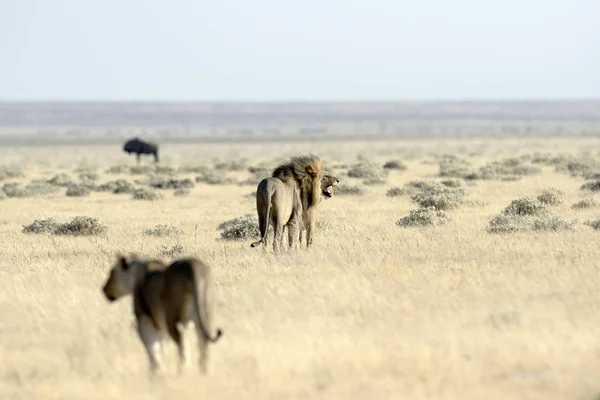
point(166, 299)
point(283, 199)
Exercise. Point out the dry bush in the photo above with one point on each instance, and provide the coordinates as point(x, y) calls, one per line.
point(393, 192)
point(78, 226)
point(118, 169)
point(140, 170)
point(181, 192)
point(588, 202)
point(240, 228)
point(10, 172)
point(583, 167)
point(163, 230)
point(194, 169)
point(60, 180)
point(146, 194)
point(118, 186)
point(452, 183)
point(442, 198)
point(525, 206)
point(231, 165)
point(374, 181)
point(89, 176)
point(422, 217)
point(454, 167)
point(164, 170)
point(350, 190)
point(591, 186)
point(395, 164)
point(366, 170)
point(504, 169)
point(172, 251)
point(34, 188)
point(593, 224)
point(527, 214)
point(76, 190)
point(213, 177)
point(552, 197)
point(163, 182)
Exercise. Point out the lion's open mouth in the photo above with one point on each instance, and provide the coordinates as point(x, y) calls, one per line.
point(328, 192)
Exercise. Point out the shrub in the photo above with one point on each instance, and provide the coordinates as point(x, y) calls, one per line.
point(231, 165)
point(349, 190)
point(591, 186)
point(78, 226)
point(366, 170)
point(443, 198)
point(525, 206)
point(140, 170)
point(10, 172)
point(585, 203)
point(172, 251)
point(451, 166)
point(509, 223)
point(118, 169)
point(374, 181)
point(163, 230)
point(425, 216)
point(527, 214)
point(593, 224)
point(213, 177)
point(118, 186)
point(451, 183)
point(394, 164)
point(35, 188)
point(77, 191)
point(161, 182)
point(88, 176)
point(552, 197)
point(164, 169)
point(241, 228)
point(508, 168)
point(393, 192)
point(181, 192)
point(414, 187)
point(60, 180)
point(146, 194)
point(551, 223)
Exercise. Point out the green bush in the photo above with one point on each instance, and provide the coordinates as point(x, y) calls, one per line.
point(422, 217)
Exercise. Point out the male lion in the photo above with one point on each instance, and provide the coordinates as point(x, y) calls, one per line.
point(292, 191)
point(166, 299)
point(328, 184)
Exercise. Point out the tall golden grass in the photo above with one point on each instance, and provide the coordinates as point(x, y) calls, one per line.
point(373, 311)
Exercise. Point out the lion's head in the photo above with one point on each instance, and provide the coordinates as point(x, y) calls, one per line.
point(122, 278)
point(328, 184)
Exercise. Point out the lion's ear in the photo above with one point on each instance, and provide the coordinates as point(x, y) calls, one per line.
point(122, 261)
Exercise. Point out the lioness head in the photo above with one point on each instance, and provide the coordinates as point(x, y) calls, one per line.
point(122, 278)
point(328, 183)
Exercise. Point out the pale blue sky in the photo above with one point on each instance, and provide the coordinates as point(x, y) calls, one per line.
point(299, 50)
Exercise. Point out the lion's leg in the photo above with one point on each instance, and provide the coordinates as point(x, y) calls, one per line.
point(277, 236)
point(310, 222)
point(203, 350)
point(180, 334)
point(153, 343)
point(293, 235)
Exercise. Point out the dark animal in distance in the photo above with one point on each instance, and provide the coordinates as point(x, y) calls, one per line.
point(140, 147)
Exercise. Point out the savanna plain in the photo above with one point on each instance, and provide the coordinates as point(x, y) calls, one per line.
point(492, 293)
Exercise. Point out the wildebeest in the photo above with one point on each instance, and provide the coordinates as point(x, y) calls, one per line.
point(139, 147)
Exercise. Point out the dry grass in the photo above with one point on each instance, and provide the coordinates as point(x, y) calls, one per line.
point(373, 311)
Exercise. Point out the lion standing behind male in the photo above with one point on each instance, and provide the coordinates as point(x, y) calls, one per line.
point(166, 300)
point(289, 195)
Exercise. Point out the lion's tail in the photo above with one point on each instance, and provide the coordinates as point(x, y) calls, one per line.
point(200, 307)
point(266, 218)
